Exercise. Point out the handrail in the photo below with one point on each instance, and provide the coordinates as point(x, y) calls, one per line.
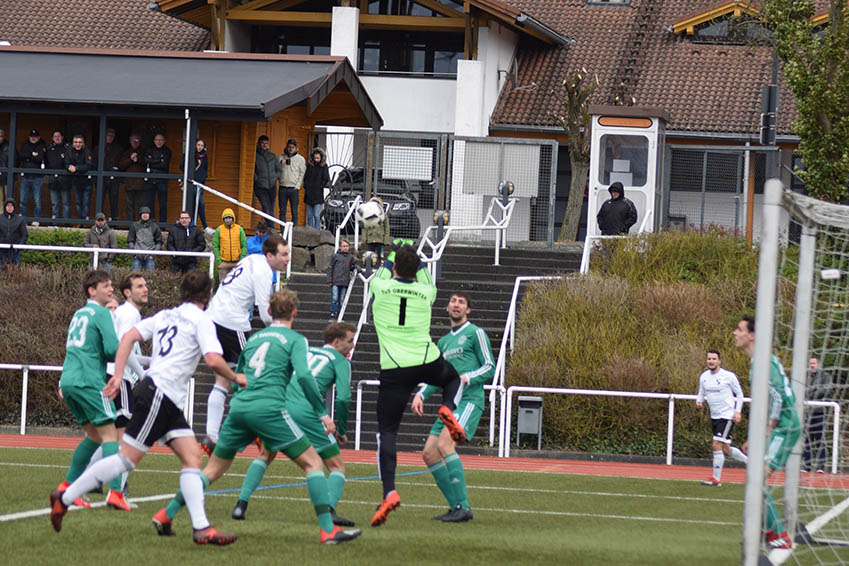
point(490, 223)
point(125, 251)
point(188, 407)
point(285, 232)
point(345, 220)
point(670, 423)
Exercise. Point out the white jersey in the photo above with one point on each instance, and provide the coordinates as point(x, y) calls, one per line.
point(180, 336)
point(247, 284)
point(722, 392)
point(125, 317)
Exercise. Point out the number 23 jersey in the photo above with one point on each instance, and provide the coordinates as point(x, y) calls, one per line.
point(180, 337)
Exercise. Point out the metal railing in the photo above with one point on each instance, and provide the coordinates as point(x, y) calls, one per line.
point(590, 241)
point(347, 218)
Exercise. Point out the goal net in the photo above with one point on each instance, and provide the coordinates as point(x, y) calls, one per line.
point(808, 296)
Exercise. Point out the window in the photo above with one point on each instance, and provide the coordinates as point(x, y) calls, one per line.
point(290, 41)
point(737, 31)
point(407, 8)
point(624, 159)
point(409, 53)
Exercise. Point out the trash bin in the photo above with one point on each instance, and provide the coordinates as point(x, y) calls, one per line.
point(530, 418)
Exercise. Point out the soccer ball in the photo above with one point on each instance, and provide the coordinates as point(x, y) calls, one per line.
point(369, 213)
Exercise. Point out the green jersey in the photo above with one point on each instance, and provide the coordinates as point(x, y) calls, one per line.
point(268, 360)
point(328, 367)
point(782, 401)
point(401, 310)
point(91, 343)
point(467, 348)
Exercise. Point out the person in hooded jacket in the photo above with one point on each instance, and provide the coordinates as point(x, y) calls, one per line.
point(13, 230)
point(185, 237)
point(101, 235)
point(78, 163)
point(229, 244)
point(316, 178)
point(266, 173)
point(111, 162)
point(617, 214)
point(144, 235)
point(132, 161)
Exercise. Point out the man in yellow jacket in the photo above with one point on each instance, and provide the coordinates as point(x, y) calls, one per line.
point(229, 244)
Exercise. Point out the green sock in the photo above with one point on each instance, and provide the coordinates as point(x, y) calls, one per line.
point(335, 485)
point(178, 502)
point(109, 449)
point(458, 478)
point(772, 519)
point(443, 481)
point(253, 478)
point(79, 461)
point(319, 495)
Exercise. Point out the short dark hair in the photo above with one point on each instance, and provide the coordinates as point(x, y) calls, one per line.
point(750, 322)
point(182, 212)
point(127, 282)
point(336, 330)
point(79, 137)
point(261, 227)
point(58, 132)
point(718, 355)
point(262, 139)
point(283, 304)
point(462, 295)
point(195, 287)
point(92, 278)
point(269, 246)
point(407, 262)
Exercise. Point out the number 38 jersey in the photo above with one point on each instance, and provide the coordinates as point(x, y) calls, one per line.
point(180, 337)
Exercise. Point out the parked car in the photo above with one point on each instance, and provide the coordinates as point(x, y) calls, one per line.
point(398, 201)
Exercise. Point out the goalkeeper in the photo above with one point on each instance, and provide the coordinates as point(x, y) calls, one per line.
point(403, 292)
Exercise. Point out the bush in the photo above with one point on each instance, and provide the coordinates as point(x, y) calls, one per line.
point(642, 320)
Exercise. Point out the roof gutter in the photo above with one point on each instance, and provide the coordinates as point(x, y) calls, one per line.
point(526, 21)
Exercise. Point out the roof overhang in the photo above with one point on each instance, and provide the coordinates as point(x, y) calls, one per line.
point(249, 86)
point(522, 22)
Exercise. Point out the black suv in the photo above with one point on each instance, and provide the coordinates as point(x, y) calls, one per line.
point(398, 201)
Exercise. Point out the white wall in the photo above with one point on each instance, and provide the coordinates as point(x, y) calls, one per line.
point(420, 105)
point(237, 37)
point(344, 34)
point(496, 49)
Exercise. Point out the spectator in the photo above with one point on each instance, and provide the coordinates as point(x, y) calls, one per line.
point(31, 156)
point(266, 173)
point(618, 214)
point(144, 235)
point(132, 161)
point(375, 238)
point(111, 162)
point(13, 230)
point(201, 170)
point(819, 385)
point(339, 276)
point(59, 184)
point(315, 179)
point(254, 243)
point(229, 244)
point(185, 237)
point(101, 235)
point(292, 170)
point(78, 163)
point(157, 159)
point(4, 162)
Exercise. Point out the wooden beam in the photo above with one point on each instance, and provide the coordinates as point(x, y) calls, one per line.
point(289, 18)
point(439, 8)
point(258, 4)
point(423, 23)
point(214, 26)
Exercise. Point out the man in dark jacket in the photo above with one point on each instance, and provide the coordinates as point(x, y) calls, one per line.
point(31, 156)
point(59, 184)
point(13, 230)
point(132, 161)
point(266, 173)
point(618, 214)
point(101, 235)
point(78, 164)
point(111, 161)
point(157, 159)
point(185, 237)
point(144, 235)
point(315, 179)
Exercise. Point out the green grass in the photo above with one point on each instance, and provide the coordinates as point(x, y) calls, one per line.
point(519, 517)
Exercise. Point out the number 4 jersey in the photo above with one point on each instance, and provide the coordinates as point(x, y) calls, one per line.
point(180, 337)
point(91, 343)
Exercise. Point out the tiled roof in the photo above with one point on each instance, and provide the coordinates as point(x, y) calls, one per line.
point(107, 24)
point(705, 87)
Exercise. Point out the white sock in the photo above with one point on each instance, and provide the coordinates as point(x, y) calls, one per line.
point(124, 477)
point(718, 462)
point(96, 457)
point(100, 473)
point(192, 487)
point(215, 411)
point(738, 455)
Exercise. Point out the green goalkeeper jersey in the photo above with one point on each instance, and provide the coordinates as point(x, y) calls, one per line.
point(328, 367)
point(467, 348)
point(91, 343)
point(782, 400)
point(401, 310)
point(268, 360)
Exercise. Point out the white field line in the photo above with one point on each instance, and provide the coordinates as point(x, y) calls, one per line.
point(778, 557)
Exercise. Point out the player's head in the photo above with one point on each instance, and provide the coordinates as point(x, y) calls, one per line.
point(134, 288)
point(340, 336)
point(283, 305)
point(713, 359)
point(459, 307)
point(406, 262)
point(196, 287)
point(97, 286)
point(276, 252)
point(744, 334)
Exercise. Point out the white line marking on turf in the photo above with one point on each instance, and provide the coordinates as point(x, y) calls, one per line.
point(779, 556)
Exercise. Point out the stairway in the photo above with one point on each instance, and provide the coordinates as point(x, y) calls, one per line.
point(464, 268)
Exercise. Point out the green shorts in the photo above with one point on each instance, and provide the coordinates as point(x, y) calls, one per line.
point(467, 414)
point(307, 419)
point(781, 443)
point(273, 425)
point(89, 405)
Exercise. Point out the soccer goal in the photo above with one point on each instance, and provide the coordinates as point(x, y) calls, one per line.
point(802, 313)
